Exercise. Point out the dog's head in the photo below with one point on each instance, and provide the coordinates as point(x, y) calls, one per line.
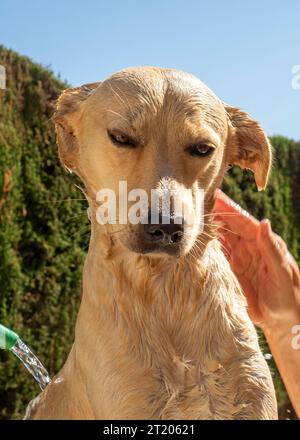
point(162, 130)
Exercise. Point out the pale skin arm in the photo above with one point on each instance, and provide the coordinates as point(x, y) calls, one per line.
point(270, 279)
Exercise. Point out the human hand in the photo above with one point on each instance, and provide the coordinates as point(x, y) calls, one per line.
point(267, 272)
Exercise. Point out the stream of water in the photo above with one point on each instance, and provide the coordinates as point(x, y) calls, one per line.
point(31, 362)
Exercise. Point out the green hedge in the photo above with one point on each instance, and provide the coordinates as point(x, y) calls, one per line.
point(44, 229)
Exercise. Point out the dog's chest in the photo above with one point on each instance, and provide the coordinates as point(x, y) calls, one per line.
point(189, 352)
point(171, 375)
point(174, 390)
point(194, 393)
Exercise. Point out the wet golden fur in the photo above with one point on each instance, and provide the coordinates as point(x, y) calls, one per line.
point(158, 336)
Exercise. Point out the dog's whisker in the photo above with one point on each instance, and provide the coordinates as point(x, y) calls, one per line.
point(123, 102)
point(55, 202)
point(128, 105)
point(116, 94)
point(218, 226)
point(225, 229)
point(205, 234)
point(118, 114)
point(225, 214)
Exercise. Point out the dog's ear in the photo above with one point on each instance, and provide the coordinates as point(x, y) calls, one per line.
point(66, 114)
point(249, 146)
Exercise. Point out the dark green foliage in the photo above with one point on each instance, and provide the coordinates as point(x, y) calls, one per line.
point(43, 233)
point(44, 227)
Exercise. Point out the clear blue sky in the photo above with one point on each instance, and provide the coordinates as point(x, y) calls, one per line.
point(244, 50)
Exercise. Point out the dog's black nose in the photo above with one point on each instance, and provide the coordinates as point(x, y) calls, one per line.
point(167, 232)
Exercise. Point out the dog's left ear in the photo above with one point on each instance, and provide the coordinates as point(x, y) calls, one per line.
point(249, 146)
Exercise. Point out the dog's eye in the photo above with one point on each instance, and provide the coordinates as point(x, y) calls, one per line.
point(200, 150)
point(121, 139)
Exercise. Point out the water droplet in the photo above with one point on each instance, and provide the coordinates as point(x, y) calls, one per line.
point(268, 356)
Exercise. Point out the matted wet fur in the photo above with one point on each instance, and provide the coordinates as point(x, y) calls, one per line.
point(159, 334)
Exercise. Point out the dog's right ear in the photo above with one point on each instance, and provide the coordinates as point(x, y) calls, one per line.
point(67, 113)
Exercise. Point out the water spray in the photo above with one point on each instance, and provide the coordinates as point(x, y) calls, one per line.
point(9, 340)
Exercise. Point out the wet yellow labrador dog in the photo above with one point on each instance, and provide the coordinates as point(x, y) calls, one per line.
point(163, 330)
